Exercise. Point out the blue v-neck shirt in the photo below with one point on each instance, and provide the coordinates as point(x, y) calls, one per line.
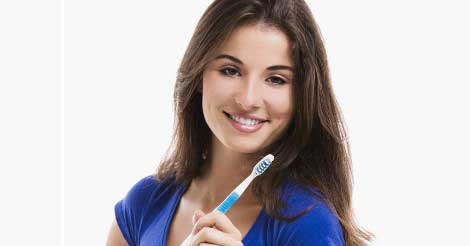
point(145, 213)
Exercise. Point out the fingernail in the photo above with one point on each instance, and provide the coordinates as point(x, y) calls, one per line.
point(199, 214)
point(196, 216)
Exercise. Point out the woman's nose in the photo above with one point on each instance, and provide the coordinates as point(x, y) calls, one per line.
point(249, 95)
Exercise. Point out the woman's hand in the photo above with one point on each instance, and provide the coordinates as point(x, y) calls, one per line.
point(214, 228)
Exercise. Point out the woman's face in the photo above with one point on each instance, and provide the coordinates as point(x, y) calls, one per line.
point(247, 96)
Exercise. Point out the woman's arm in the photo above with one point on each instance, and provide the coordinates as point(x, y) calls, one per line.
point(115, 237)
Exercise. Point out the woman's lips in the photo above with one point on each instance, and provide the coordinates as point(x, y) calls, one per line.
point(244, 128)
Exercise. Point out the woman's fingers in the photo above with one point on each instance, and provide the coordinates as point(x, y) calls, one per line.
point(220, 221)
point(212, 236)
point(214, 228)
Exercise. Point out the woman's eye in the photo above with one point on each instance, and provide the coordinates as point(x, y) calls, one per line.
point(229, 71)
point(277, 80)
point(233, 72)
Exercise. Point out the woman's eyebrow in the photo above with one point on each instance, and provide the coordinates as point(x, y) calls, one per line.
point(234, 59)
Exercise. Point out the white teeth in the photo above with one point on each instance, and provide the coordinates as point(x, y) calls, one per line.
point(247, 122)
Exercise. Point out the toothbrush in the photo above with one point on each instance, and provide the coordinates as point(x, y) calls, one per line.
point(223, 207)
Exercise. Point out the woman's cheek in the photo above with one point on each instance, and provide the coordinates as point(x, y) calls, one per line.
point(280, 104)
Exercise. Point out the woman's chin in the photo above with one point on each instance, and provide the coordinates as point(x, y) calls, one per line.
point(245, 148)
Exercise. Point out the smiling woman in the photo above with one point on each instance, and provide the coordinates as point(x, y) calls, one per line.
point(246, 98)
point(254, 80)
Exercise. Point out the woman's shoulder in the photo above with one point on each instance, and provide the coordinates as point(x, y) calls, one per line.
point(147, 188)
point(319, 225)
point(132, 210)
point(299, 197)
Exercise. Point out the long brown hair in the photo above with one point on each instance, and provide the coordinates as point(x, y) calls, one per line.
point(313, 151)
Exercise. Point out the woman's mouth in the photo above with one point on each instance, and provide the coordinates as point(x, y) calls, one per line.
point(245, 125)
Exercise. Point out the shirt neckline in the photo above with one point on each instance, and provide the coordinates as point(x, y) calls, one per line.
point(170, 216)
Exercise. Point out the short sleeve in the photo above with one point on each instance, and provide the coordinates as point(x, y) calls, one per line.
point(129, 210)
point(319, 226)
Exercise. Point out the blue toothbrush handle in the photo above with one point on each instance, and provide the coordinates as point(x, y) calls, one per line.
point(228, 202)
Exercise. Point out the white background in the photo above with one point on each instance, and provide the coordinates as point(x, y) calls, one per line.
point(86, 111)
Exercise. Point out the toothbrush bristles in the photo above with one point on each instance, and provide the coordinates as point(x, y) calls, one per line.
point(263, 164)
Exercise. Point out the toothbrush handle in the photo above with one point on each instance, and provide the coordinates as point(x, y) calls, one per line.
point(236, 193)
point(228, 202)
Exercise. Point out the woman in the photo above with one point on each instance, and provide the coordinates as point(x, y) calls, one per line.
point(254, 80)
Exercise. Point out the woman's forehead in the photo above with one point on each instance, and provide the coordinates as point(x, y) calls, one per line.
point(255, 44)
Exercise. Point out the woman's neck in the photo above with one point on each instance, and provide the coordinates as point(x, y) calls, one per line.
point(224, 171)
